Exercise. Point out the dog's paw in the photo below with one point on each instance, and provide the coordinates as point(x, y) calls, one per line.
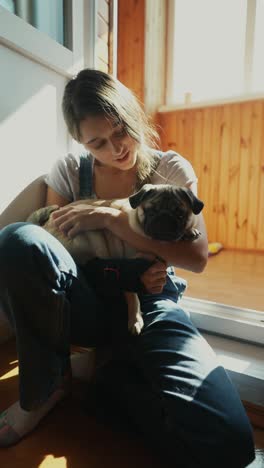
point(135, 326)
point(191, 235)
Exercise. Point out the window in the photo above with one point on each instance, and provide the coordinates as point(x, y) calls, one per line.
point(215, 49)
point(57, 21)
point(48, 16)
point(8, 4)
point(258, 67)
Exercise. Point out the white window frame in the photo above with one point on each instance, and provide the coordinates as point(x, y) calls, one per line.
point(225, 320)
point(248, 59)
point(20, 36)
point(115, 36)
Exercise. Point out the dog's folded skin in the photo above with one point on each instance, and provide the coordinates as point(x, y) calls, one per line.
point(163, 212)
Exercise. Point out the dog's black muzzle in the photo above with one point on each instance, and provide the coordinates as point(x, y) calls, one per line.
point(164, 227)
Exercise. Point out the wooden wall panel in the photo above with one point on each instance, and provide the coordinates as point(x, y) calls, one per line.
point(260, 181)
point(131, 45)
point(141, 52)
point(225, 144)
point(233, 175)
point(257, 128)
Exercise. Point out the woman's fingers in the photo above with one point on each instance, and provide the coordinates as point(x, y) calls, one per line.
point(154, 278)
point(156, 287)
point(82, 217)
point(61, 212)
point(158, 274)
point(158, 270)
point(156, 290)
point(61, 220)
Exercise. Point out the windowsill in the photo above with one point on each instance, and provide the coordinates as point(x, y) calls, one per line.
point(244, 365)
point(229, 321)
point(213, 102)
point(236, 336)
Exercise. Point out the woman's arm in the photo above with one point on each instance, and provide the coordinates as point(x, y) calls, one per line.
point(189, 255)
point(112, 275)
point(132, 273)
point(53, 198)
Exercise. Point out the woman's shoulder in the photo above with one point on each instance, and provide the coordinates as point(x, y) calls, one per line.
point(64, 175)
point(73, 161)
point(173, 168)
point(69, 165)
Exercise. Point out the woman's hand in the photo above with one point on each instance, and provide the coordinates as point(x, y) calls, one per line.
point(75, 218)
point(154, 278)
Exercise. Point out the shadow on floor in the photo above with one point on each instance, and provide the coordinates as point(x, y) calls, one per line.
point(68, 436)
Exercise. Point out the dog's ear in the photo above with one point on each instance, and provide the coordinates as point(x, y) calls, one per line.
point(141, 195)
point(196, 204)
point(41, 216)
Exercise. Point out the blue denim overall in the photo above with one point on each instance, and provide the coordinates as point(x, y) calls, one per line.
point(166, 381)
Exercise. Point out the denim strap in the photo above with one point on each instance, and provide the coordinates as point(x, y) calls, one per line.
point(86, 176)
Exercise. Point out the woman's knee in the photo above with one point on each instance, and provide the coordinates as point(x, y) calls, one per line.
point(203, 410)
point(17, 240)
point(27, 248)
point(12, 245)
point(212, 423)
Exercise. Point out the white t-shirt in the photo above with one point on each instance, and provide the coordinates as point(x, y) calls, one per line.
point(172, 169)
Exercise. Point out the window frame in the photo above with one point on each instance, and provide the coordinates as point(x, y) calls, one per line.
point(18, 35)
point(225, 320)
point(248, 60)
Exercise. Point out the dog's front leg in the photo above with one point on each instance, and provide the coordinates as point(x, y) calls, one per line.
point(135, 320)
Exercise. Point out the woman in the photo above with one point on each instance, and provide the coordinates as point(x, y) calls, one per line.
point(166, 380)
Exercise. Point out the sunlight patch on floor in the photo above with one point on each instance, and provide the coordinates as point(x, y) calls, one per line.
point(8, 375)
point(51, 461)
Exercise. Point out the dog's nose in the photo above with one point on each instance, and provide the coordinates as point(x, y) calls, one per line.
point(164, 227)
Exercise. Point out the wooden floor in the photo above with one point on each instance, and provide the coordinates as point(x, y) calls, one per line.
point(70, 438)
point(231, 277)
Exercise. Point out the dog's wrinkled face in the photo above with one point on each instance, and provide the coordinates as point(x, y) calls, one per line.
point(166, 212)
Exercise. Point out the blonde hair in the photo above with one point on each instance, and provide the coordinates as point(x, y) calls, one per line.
point(93, 92)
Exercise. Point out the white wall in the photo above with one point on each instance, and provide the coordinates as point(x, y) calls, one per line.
point(33, 72)
point(32, 131)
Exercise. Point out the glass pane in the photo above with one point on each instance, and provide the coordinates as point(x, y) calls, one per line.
point(48, 16)
point(209, 50)
point(8, 4)
point(258, 62)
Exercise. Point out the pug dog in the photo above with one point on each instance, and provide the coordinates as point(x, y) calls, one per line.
point(163, 212)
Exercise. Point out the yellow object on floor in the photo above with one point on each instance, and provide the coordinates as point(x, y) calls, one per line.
point(214, 248)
